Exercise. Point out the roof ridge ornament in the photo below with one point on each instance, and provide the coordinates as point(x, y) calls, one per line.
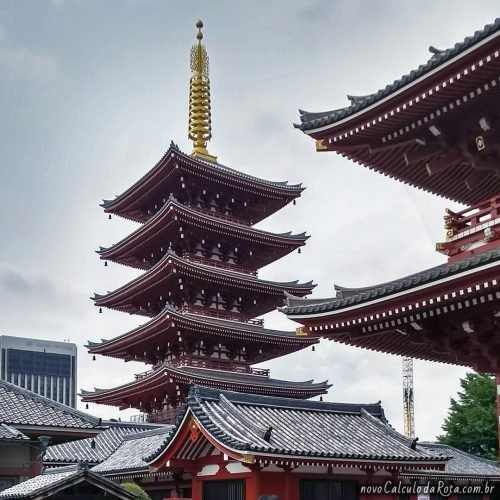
point(200, 118)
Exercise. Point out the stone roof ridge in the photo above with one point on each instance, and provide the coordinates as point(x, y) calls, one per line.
point(49, 402)
point(58, 470)
point(246, 422)
point(152, 432)
point(390, 431)
point(384, 424)
point(238, 398)
point(314, 120)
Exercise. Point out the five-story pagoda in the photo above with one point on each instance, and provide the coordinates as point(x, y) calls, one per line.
point(200, 254)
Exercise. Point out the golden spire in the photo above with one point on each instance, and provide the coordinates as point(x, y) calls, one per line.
point(200, 122)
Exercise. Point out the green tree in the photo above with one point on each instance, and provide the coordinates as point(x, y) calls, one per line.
point(471, 424)
point(136, 490)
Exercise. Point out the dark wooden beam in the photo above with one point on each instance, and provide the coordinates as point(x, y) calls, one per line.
point(439, 165)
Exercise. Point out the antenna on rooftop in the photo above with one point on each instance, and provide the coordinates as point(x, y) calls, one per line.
point(408, 402)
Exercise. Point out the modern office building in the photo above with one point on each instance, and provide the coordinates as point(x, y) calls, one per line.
point(45, 367)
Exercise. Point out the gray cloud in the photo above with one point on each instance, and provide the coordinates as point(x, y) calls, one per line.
point(22, 64)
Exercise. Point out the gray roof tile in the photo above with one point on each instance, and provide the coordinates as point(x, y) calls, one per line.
point(129, 456)
point(54, 480)
point(92, 450)
point(462, 463)
point(8, 433)
point(300, 428)
point(22, 407)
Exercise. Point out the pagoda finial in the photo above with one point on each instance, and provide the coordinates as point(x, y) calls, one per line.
point(200, 122)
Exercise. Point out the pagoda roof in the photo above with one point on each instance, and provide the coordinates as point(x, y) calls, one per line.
point(242, 331)
point(311, 430)
point(360, 297)
point(218, 379)
point(213, 171)
point(206, 221)
point(30, 413)
point(423, 129)
point(196, 269)
point(129, 457)
point(311, 122)
point(95, 449)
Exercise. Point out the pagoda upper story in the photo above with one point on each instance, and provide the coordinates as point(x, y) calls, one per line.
point(200, 254)
point(208, 186)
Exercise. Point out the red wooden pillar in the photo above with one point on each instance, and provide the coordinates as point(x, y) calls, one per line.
point(196, 488)
point(497, 384)
point(287, 480)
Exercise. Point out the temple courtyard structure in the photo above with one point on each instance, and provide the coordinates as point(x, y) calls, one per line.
point(219, 428)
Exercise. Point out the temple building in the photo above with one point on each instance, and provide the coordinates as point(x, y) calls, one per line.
point(436, 128)
point(200, 253)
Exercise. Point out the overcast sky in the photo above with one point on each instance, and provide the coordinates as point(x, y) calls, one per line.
point(92, 92)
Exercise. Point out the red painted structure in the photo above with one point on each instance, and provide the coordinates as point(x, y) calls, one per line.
point(436, 128)
point(200, 289)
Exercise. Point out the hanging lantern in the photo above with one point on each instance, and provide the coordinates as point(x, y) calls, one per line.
point(109, 216)
point(87, 406)
point(105, 263)
point(100, 310)
point(295, 202)
point(321, 398)
point(313, 348)
point(300, 251)
point(93, 357)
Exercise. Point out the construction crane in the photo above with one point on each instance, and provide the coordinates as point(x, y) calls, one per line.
point(408, 403)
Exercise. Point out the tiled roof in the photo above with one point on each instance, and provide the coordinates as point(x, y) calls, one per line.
point(8, 433)
point(172, 202)
point(300, 428)
point(351, 296)
point(207, 376)
point(20, 407)
point(226, 274)
point(310, 121)
point(92, 450)
point(206, 322)
point(216, 169)
point(462, 463)
point(33, 485)
point(55, 480)
point(129, 456)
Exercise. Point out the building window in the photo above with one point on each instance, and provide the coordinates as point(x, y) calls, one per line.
point(228, 490)
point(324, 489)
